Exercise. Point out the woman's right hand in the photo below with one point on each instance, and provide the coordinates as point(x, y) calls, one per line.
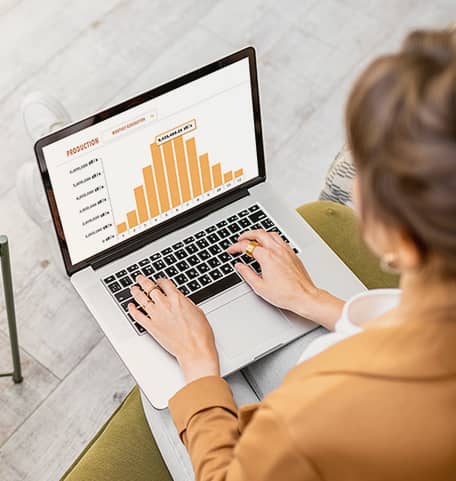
point(284, 281)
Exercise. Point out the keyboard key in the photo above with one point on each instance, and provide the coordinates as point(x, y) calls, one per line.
point(171, 271)
point(123, 295)
point(114, 287)
point(193, 260)
point(125, 281)
point(285, 238)
point(233, 228)
point(193, 285)
point(267, 223)
point(203, 267)
point(295, 250)
point(177, 245)
point(124, 305)
point(144, 262)
point(185, 290)
point(135, 274)
point(192, 273)
point(223, 233)
point(256, 216)
point(182, 265)
point(215, 250)
point(180, 254)
point(213, 238)
point(274, 229)
point(222, 223)
point(200, 234)
point(232, 218)
point(234, 239)
point(170, 259)
point(181, 279)
point(215, 288)
point(191, 249)
point(254, 207)
point(214, 262)
point(204, 255)
point(189, 240)
point(224, 257)
point(159, 264)
point(202, 243)
point(148, 271)
point(245, 223)
point(160, 275)
point(225, 244)
point(210, 229)
point(215, 274)
point(256, 266)
point(256, 226)
point(155, 256)
point(243, 213)
point(133, 268)
point(109, 279)
point(227, 268)
point(204, 280)
point(121, 273)
point(166, 251)
point(139, 328)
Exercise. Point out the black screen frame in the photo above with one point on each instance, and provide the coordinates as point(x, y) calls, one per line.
point(143, 238)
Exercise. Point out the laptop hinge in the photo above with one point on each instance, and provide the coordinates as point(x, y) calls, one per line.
point(170, 226)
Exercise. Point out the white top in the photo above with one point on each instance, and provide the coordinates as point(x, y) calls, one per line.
point(357, 310)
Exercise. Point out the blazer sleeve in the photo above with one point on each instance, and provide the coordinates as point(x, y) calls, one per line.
point(206, 417)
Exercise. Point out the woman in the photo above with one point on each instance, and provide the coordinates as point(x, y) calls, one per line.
point(379, 400)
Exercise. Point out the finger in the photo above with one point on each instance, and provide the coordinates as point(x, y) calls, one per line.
point(260, 235)
point(141, 298)
point(138, 316)
point(277, 238)
point(168, 286)
point(248, 274)
point(145, 283)
point(241, 246)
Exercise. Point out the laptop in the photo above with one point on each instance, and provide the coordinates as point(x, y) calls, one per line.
point(161, 185)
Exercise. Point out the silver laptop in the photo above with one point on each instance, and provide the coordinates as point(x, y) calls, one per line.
point(162, 184)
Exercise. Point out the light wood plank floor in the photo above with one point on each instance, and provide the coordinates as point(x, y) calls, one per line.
point(92, 54)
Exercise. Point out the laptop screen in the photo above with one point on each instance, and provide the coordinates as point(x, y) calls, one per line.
point(119, 177)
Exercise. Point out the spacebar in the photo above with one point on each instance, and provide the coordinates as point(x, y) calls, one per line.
point(215, 288)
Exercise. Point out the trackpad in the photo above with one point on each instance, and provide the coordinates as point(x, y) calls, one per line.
point(246, 324)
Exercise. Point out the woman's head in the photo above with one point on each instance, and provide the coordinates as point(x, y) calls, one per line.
point(401, 128)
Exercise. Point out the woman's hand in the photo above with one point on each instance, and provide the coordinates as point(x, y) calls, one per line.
point(284, 281)
point(178, 325)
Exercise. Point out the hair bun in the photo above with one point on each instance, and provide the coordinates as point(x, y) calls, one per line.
point(438, 45)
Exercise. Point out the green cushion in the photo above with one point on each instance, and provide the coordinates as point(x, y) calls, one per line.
point(124, 449)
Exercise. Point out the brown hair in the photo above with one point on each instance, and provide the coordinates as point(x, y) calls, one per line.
point(401, 128)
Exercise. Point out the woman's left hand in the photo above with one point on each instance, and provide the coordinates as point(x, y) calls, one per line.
point(178, 325)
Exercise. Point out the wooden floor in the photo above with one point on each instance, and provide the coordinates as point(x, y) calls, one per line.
point(91, 54)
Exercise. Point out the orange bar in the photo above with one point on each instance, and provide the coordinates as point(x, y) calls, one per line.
point(141, 204)
point(217, 174)
point(132, 219)
point(239, 172)
point(227, 176)
point(182, 168)
point(193, 165)
point(122, 227)
point(160, 177)
point(150, 191)
point(172, 175)
point(205, 172)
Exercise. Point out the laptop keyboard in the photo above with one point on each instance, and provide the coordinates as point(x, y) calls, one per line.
point(198, 265)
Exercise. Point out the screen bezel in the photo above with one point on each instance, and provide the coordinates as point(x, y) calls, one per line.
point(140, 239)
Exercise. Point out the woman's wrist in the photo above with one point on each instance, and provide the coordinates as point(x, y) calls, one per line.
point(195, 367)
point(319, 306)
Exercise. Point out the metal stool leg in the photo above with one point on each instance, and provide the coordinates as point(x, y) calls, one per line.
point(10, 311)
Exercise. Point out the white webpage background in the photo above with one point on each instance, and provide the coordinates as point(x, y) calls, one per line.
point(222, 106)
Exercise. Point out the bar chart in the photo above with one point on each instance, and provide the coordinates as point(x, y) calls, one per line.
point(175, 175)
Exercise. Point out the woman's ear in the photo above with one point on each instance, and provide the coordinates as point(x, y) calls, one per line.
point(409, 255)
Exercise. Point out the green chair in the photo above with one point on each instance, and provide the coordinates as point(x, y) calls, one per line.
point(124, 449)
